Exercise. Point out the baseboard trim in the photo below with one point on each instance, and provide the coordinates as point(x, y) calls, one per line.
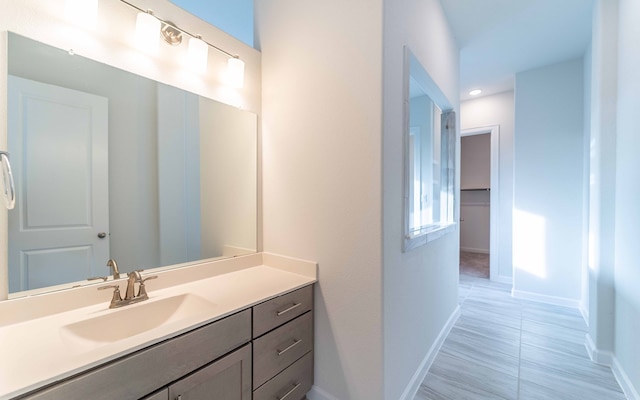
point(543, 298)
point(597, 356)
point(608, 359)
point(318, 394)
point(414, 384)
point(507, 280)
point(473, 250)
point(624, 380)
point(585, 313)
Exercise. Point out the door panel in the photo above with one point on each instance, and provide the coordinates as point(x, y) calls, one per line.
point(56, 136)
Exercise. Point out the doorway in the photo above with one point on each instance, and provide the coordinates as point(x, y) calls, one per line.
point(479, 202)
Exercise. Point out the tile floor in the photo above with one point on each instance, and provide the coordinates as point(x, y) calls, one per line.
point(504, 348)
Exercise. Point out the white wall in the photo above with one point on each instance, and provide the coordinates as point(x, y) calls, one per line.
point(322, 124)
point(420, 286)
point(548, 194)
point(602, 174)
point(498, 109)
point(586, 165)
point(323, 196)
point(627, 220)
point(110, 42)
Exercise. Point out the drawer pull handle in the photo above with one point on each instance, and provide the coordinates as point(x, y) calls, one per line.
point(286, 310)
point(293, 389)
point(291, 346)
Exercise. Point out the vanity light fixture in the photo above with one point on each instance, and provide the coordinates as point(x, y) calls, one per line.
point(475, 92)
point(198, 53)
point(147, 36)
point(147, 28)
point(235, 72)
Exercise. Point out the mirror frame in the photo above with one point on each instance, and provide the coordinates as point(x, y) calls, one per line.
point(412, 68)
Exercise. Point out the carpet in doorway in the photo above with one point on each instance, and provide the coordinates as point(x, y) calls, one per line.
point(474, 264)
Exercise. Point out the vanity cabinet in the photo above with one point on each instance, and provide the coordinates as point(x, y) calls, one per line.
point(228, 378)
point(264, 352)
point(283, 346)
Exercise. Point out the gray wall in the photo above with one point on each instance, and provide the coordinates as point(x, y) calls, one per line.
point(627, 220)
point(548, 194)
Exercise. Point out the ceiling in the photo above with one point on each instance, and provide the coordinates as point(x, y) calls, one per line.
point(498, 38)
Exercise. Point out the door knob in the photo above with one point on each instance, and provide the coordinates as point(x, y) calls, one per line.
point(102, 235)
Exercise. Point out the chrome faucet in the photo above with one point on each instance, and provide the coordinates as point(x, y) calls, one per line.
point(114, 267)
point(129, 297)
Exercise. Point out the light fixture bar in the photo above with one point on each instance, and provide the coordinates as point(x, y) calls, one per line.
point(182, 30)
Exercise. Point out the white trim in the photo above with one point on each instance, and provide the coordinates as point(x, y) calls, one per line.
point(597, 356)
point(608, 359)
point(507, 280)
point(318, 394)
point(624, 380)
point(494, 207)
point(585, 312)
point(415, 382)
point(543, 298)
point(427, 235)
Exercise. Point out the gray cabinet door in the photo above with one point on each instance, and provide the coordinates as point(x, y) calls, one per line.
point(226, 379)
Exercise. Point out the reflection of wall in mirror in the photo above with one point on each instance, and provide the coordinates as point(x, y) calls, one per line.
point(421, 116)
point(228, 179)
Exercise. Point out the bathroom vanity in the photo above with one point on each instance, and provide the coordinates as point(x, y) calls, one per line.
point(255, 342)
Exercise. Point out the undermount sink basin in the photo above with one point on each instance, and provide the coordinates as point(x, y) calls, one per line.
point(137, 318)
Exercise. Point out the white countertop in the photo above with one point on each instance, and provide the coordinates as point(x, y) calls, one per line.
point(36, 352)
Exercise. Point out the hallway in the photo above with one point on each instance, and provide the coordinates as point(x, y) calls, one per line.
point(505, 348)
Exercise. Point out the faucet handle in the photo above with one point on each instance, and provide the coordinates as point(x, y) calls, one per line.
point(95, 278)
point(142, 291)
point(116, 292)
point(148, 278)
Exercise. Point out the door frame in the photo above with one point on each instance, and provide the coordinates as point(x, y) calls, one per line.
point(494, 207)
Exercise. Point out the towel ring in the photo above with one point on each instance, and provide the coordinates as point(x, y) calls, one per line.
point(9, 190)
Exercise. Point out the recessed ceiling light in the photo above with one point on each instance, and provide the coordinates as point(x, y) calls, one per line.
point(475, 92)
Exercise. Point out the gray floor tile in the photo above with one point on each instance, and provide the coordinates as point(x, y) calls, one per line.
point(544, 386)
point(469, 379)
point(558, 316)
point(506, 348)
point(536, 363)
point(552, 331)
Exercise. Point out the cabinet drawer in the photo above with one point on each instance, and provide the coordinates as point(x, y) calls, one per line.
point(278, 349)
point(279, 310)
point(156, 366)
point(291, 384)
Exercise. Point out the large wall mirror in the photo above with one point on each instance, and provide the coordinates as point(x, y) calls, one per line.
point(111, 165)
point(430, 143)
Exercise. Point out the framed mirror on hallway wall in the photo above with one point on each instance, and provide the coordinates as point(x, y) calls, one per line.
point(429, 157)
